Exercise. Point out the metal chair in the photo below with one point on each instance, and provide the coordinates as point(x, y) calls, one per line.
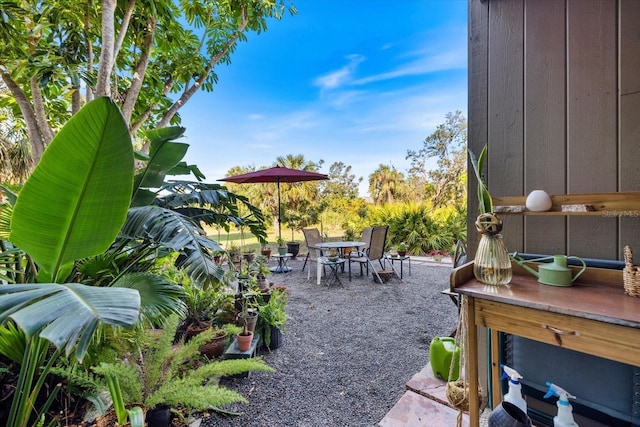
point(375, 251)
point(366, 239)
point(459, 258)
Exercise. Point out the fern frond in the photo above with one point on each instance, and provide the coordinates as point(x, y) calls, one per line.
point(231, 367)
point(194, 397)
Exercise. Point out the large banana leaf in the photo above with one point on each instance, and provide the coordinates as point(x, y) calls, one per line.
point(164, 155)
point(76, 200)
point(177, 232)
point(67, 314)
point(160, 299)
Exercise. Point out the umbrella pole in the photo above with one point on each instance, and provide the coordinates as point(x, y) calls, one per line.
point(279, 212)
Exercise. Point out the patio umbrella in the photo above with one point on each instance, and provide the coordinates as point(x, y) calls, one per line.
point(276, 174)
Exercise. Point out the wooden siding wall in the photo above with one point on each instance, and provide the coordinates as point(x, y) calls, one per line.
point(554, 90)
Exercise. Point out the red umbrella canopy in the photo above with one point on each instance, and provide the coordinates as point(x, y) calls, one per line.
point(276, 174)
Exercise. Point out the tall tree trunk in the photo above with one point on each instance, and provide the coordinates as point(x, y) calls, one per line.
point(139, 71)
point(108, 40)
point(38, 109)
point(87, 27)
point(124, 27)
point(35, 138)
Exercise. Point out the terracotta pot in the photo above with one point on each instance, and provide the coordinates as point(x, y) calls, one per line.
point(244, 341)
point(266, 253)
point(215, 347)
point(402, 253)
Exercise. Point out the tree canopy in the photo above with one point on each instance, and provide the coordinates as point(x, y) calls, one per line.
point(150, 57)
point(447, 182)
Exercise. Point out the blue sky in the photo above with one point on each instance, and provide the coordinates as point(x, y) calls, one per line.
point(357, 81)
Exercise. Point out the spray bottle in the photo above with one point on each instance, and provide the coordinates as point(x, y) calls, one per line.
point(514, 395)
point(565, 414)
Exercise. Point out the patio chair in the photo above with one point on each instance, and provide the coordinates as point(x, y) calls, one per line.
point(366, 239)
point(312, 238)
point(375, 251)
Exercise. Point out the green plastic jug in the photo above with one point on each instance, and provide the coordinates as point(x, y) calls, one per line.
point(441, 351)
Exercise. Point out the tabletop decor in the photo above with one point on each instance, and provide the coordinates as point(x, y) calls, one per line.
point(492, 265)
point(630, 274)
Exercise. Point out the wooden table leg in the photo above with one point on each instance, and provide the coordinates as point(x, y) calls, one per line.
point(471, 360)
point(496, 372)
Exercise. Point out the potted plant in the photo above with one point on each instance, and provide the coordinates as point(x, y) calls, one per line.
point(263, 271)
point(248, 254)
point(282, 247)
point(248, 316)
point(402, 249)
point(215, 346)
point(248, 319)
point(201, 306)
point(293, 246)
point(160, 373)
point(234, 253)
point(273, 318)
point(437, 255)
point(266, 252)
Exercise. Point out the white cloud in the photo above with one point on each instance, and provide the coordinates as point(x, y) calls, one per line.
point(341, 76)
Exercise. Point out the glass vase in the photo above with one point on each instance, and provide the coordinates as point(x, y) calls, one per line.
point(492, 265)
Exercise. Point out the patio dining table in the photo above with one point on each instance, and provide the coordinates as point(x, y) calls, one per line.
point(332, 245)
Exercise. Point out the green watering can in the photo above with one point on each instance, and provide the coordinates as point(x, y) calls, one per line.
point(554, 273)
point(441, 351)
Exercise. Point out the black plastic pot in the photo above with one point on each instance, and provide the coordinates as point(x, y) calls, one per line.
point(160, 416)
point(293, 248)
point(277, 337)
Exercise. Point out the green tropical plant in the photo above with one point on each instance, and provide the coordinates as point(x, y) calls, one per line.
point(272, 313)
point(73, 224)
point(134, 414)
point(73, 218)
point(485, 204)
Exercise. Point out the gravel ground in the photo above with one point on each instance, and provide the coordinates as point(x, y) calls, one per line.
point(348, 351)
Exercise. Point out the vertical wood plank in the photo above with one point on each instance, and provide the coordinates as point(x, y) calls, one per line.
point(545, 119)
point(629, 44)
point(592, 120)
point(506, 99)
point(629, 135)
point(477, 104)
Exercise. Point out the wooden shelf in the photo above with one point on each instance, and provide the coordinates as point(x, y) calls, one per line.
point(624, 204)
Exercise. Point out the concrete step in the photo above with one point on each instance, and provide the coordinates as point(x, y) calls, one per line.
point(413, 410)
point(423, 404)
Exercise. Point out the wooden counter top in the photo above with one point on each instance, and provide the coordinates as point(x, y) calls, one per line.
point(589, 299)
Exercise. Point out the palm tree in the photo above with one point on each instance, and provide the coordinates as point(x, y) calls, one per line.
point(386, 185)
point(301, 198)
